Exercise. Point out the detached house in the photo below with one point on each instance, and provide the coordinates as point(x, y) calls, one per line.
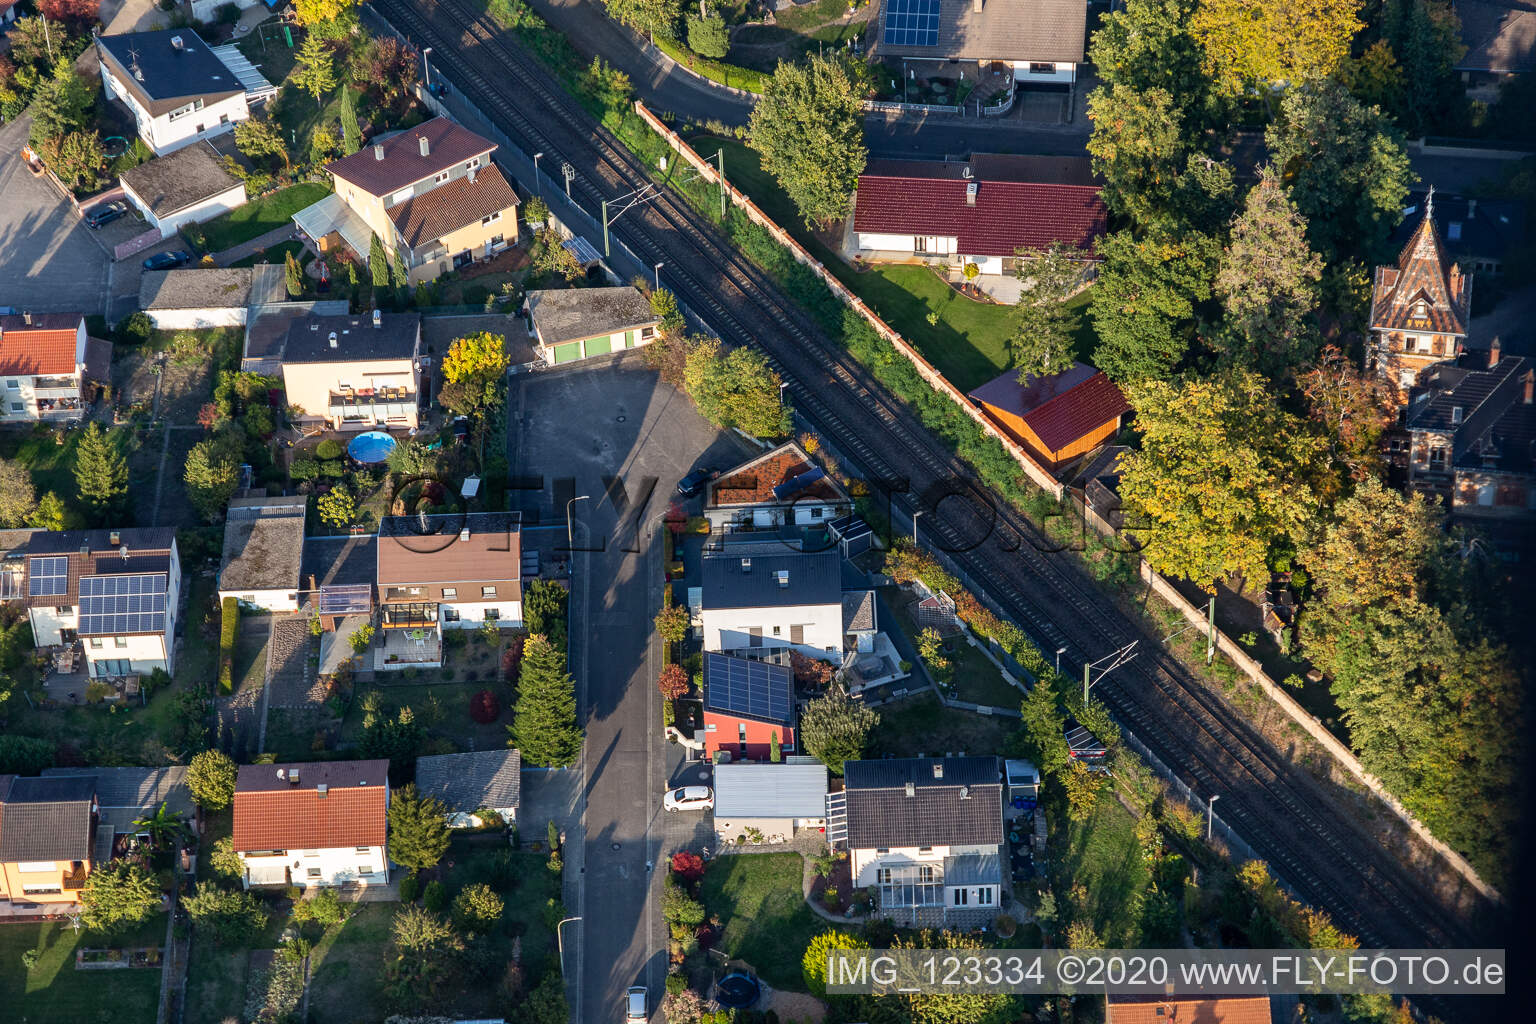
point(1420, 308)
point(263, 551)
point(762, 598)
point(48, 840)
point(747, 706)
point(354, 372)
point(778, 488)
point(321, 823)
point(1039, 41)
point(430, 194)
point(470, 784)
point(188, 186)
point(927, 833)
point(1058, 418)
point(178, 88)
point(570, 324)
point(112, 592)
point(445, 572)
point(42, 365)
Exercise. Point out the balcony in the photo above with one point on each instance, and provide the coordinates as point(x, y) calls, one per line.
point(65, 407)
point(370, 405)
point(408, 648)
point(75, 877)
point(412, 615)
point(54, 387)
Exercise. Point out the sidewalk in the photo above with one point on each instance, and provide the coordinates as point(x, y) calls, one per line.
point(260, 243)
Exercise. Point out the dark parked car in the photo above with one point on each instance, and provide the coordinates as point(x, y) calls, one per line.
point(694, 482)
point(166, 260)
point(106, 213)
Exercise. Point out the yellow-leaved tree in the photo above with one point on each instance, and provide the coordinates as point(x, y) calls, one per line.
point(1256, 42)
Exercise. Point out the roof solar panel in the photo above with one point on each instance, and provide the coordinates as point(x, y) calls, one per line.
point(346, 599)
point(50, 576)
point(116, 605)
point(738, 686)
point(910, 22)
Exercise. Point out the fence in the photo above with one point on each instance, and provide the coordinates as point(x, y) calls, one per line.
point(931, 376)
point(999, 109)
point(894, 107)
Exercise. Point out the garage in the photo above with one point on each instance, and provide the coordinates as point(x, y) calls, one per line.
point(188, 186)
point(196, 298)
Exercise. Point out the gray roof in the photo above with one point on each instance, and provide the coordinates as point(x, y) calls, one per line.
point(174, 182)
point(859, 611)
point(163, 73)
point(196, 288)
point(468, 782)
point(770, 791)
point(814, 577)
point(47, 819)
point(1472, 229)
point(574, 314)
point(127, 794)
point(397, 337)
point(263, 543)
point(338, 561)
point(963, 805)
point(973, 869)
point(1500, 35)
point(1038, 30)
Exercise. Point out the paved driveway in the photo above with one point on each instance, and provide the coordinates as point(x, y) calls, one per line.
point(576, 430)
point(48, 260)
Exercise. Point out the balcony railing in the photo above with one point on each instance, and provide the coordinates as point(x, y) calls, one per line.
point(75, 879)
point(408, 616)
point(42, 384)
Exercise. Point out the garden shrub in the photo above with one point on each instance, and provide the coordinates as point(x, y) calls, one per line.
point(329, 449)
point(410, 885)
point(484, 708)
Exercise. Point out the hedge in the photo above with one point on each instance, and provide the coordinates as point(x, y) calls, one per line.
point(229, 629)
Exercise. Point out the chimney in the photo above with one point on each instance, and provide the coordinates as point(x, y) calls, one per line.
point(321, 790)
point(26, 318)
point(309, 583)
point(1529, 380)
point(378, 319)
point(426, 147)
point(114, 538)
point(965, 792)
point(85, 549)
point(976, 6)
point(464, 534)
point(281, 774)
point(378, 151)
point(911, 789)
point(1494, 351)
point(333, 339)
point(293, 777)
point(970, 193)
point(123, 551)
point(177, 43)
point(938, 769)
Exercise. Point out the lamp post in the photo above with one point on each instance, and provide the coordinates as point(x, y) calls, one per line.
point(1059, 652)
point(538, 185)
point(569, 543)
point(658, 288)
point(560, 943)
point(1210, 816)
point(427, 67)
point(916, 513)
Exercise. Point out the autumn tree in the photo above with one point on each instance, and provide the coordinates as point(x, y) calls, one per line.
point(1044, 327)
point(316, 66)
point(1137, 146)
point(60, 106)
point(736, 389)
point(77, 157)
point(117, 896)
point(258, 138)
point(101, 474)
point(808, 126)
point(550, 256)
point(1223, 477)
point(386, 66)
point(1144, 302)
point(649, 16)
point(50, 513)
point(835, 728)
point(317, 12)
point(77, 15)
point(1268, 284)
point(18, 498)
point(1352, 406)
point(337, 507)
point(673, 682)
point(1344, 167)
point(672, 623)
point(1254, 43)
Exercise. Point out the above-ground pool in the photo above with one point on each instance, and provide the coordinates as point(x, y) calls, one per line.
point(737, 991)
point(374, 446)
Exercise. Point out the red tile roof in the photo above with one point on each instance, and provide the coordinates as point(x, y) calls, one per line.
point(272, 813)
point(46, 345)
point(753, 482)
point(447, 144)
point(451, 206)
point(1007, 215)
point(1060, 408)
point(1175, 1010)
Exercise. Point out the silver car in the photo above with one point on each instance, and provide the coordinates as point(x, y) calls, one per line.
point(634, 1004)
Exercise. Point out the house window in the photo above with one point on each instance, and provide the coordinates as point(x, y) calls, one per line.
point(450, 615)
point(1036, 68)
point(755, 636)
point(925, 873)
point(962, 897)
point(415, 590)
point(492, 614)
point(95, 643)
point(40, 890)
point(816, 513)
point(365, 869)
point(775, 630)
point(439, 179)
point(313, 872)
point(919, 244)
point(223, 119)
point(16, 407)
point(925, 849)
point(487, 591)
point(472, 164)
point(1437, 459)
point(33, 867)
point(882, 849)
point(797, 634)
point(13, 385)
point(400, 197)
point(363, 850)
point(883, 876)
point(65, 609)
point(984, 896)
point(120, 641)
point(497, 239)
point(449, 593)
point(491, 218)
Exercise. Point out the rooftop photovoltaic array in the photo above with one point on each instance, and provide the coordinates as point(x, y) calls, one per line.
point(50, 576)
point(346, 599)
point(910, 22)
point(114, 605)
point(736, 686)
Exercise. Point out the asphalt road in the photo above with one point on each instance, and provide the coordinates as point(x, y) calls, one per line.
point(609, 432)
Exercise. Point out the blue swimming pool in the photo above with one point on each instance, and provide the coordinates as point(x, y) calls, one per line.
point(372, 447)
point(737, 991)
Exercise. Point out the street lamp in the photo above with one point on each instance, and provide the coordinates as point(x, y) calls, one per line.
point(560, 943)
point(1210, 816)
point(658, 288)
point(568, 541)
point(1059, 652)
point(538, 186)
point(915, 514)
point(427, 67)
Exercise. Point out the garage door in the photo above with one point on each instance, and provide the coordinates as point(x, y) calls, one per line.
point(599, 346)
point(568, 353)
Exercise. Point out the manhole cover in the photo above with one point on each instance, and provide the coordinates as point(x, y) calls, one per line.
point(615, 847)
point(620, 419)
point(703, 773)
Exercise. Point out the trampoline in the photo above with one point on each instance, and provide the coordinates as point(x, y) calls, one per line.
point(372, 447)
point(737, 991)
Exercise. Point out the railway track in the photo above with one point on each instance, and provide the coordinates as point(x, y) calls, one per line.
point(1282, 813)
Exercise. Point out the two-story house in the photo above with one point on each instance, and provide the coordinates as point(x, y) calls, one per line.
point(445, 572)
point(321, 823)
point(430, 193)
point(763, 598)
point(354, 372)
point(48, 840)
point(748, 705)
point(176, 86)
point(42, 364)
point(781, 487)
point(113, 592)
point(1420, 308)
point(1036, 41)
point(927, 833)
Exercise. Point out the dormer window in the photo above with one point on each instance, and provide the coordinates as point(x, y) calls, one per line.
point(442, 177)
point(471, 165)
point(400, 197)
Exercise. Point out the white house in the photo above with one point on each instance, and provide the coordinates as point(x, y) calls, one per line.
point(188, 186)
point(263, 552)
point(764, 597)
point(1042, 41)
point(177, 88)
point(780, 487)
point(113, 592)
point(194, 298)
point(468, 784)
point(42, 365)
point(927, 833)
point(320, 823)
point(771, 799)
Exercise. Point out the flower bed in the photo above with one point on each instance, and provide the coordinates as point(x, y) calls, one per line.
point(112, 959)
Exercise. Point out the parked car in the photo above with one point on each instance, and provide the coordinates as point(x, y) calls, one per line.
point(166, 260)
point(694, 482)
point(634, 1004)
point(106, 213)
point(689, 798)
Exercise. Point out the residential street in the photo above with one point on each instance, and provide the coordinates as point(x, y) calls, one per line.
point(573, 432)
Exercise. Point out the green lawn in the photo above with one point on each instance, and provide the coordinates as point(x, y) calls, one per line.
point(52, 463)
point(922, 725)
point(976, 679)
point(759, 898)
point(267, 48)
point(1102, 855)
point(217, 975)
point(53, 992)
point(277, 254)
point(259, 216)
